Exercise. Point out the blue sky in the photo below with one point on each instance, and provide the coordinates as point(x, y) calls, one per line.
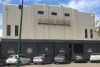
point(92, 6)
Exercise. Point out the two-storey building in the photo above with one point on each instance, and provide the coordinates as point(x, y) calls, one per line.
point(48, 28)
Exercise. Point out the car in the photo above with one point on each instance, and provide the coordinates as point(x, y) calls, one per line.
point(41, 59)
point(12, 59)
point(2, 60)
point(61, 58)
point(95, 57)
point(80, 58)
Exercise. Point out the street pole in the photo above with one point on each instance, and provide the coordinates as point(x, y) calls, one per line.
point(19, 40)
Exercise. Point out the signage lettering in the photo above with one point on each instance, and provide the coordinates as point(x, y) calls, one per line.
point(54, 22)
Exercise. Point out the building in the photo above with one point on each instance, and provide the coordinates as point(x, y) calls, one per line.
point(48, 28)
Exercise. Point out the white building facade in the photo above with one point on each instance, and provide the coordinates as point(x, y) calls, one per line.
point(47, 24)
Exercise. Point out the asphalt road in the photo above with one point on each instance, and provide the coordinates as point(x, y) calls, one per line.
point(63, 65)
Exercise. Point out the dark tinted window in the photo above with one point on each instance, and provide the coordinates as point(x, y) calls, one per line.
point(16, 30)
point(86, 33)
point(53, 13)
point(66, 14)
point(40, 12)
point(91, 33)
point(8, 30)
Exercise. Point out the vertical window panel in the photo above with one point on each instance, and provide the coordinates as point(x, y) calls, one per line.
point(8, 30)
point(86, 36)
point(40, 12)
point(91, 33)
point(16, 30)
point(53, 13)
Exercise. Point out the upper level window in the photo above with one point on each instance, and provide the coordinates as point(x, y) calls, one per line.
point(16, 30)
point(40, 12)
point(86, 33)
point(53, 13)
point(66, 14)
point(8, 30)
point(91, 33)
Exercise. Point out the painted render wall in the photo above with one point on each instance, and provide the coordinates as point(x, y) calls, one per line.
point(31, 29)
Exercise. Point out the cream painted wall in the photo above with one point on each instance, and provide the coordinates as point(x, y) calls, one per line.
point(79, 21)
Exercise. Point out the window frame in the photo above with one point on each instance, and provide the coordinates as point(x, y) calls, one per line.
point(16, 30)
point(86, 33)
point(40, 12)
point(91, 33)
point(66, 14)
point(54, 13)
point(8, 30)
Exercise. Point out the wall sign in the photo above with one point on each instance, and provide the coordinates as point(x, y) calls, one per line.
point(62, 50)
point(89, 50)
point(54, 22)
point(29, 50)
point(46, 49)
point(11, 50)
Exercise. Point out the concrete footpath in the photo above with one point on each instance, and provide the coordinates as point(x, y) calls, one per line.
point(63, 65)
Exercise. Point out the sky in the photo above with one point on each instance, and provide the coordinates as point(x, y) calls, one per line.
point(91, 6)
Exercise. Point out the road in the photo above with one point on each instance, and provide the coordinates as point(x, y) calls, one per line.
point(63, 65)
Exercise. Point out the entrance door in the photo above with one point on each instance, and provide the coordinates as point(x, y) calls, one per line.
point(78, 48)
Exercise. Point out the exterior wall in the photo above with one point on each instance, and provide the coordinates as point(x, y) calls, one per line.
point(91, 48)
point(10, 17)
point(86, 21)
point(31, 29)
point(29, 49)
point(9, 48)
point(46, 48)
point(65, 35)
point(32, 48)
point(61, 46)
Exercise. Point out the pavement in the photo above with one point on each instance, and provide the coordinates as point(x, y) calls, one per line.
point(62, 65)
